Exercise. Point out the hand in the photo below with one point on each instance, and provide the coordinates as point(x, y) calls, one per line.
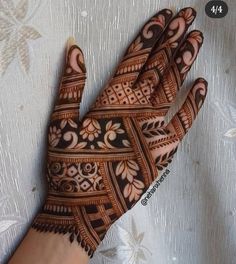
point(98, 167)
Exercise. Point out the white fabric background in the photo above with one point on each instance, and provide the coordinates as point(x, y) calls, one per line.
point(192, 216)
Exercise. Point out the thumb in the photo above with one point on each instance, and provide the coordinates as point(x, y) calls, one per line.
point(72, 83)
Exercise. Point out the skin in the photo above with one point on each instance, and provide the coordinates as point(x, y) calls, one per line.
point(41, 248)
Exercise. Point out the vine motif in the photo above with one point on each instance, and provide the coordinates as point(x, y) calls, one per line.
point(111, 133)
point(163, 160)
point(153, 129)
point(128, 170)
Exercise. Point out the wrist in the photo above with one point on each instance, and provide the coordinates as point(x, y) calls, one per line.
point(41, 248)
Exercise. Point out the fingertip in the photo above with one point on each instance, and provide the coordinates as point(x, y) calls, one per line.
point(189, 14)
point(71, 41)
point(167, 11)
point(199, 91)
point(197, 35)
point(201, 81)
point(189, 9)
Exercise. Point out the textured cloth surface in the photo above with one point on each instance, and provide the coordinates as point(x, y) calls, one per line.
point(194, 206)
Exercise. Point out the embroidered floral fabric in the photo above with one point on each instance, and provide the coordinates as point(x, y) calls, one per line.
point(98, 167)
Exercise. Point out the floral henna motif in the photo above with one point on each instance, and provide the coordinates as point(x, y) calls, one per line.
point(98, 167)
point(129, 170)
point(90, 129)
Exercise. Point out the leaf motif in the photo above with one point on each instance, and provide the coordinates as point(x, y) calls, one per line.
point(232, 111)
point(23, 52)
point(86, 122)
point(231, 133)
point(28, 32)
point(8, 4)
point(156, 124)
point(101, 145)
point(115, 126)
point(81, 145)
point(141, 255)
point(63, 123)
point(154, 129)
point(162, 161)
point(109, 253)
point(6, 224)
point(72, 123)
point(150, 126)
point(8, 53)
point(127, 190)
point(4, 33)
point(161, 132)
point(144, 126)
point(134, 229)
point(138, 184)
point(5, 24)
point(164, 156)
point(131, 251)
point(21, 9)
point(108, 125)
point(133, 165)
point(126, 143)
point(120, 167)
point(120, 131)
point(140, 237)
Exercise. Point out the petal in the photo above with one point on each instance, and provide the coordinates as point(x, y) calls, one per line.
point(86, 122)
point(130, 178)
point(108, 125)
point(8, 53)
point(132, 164)
point(91, 137)
point(138, 184)
point(23, 53)
point(21, 9)
point(120, 167)
point(127, 190)
point(28, 32)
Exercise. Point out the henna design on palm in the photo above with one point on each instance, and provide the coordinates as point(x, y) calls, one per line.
point(98, 167)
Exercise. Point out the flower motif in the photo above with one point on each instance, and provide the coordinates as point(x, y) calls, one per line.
point(57, 169)
point(54, 136)
point(131, 248)
point(133, 190)
point(88, 169)
point(15, 32)
point(68, 185)
point(128, 169)
point(91, 129)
